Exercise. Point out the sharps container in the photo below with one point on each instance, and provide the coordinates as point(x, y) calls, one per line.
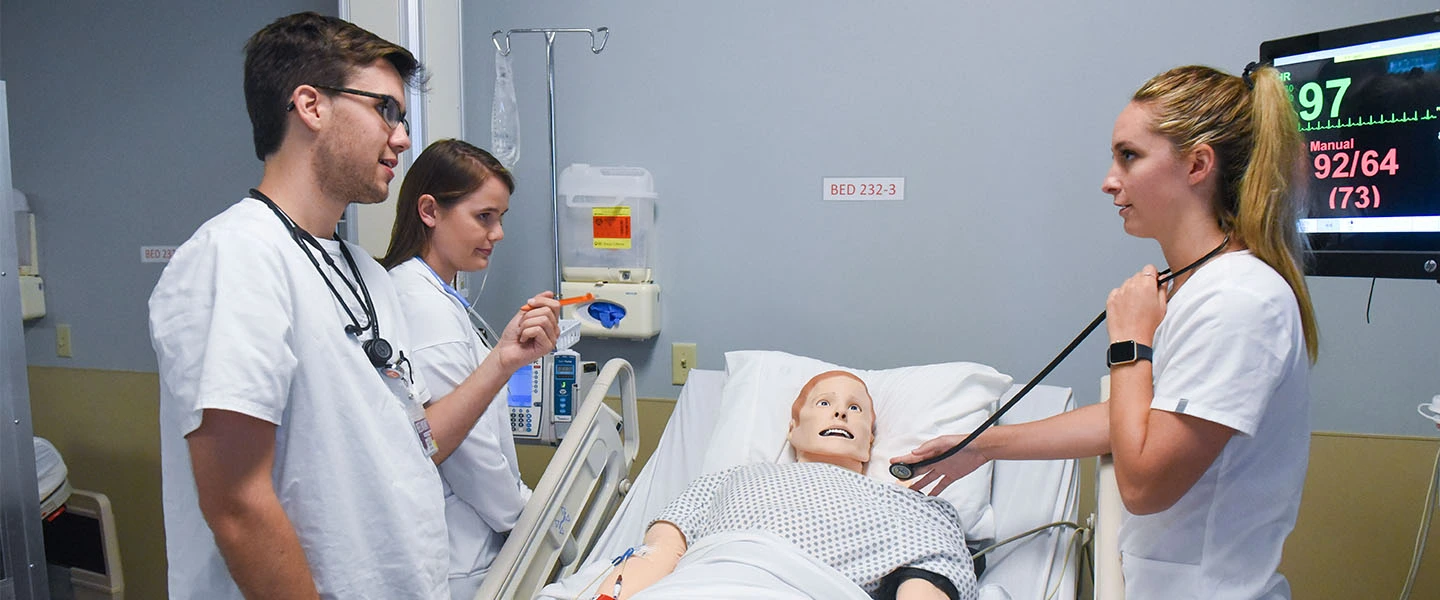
point(607, 249)
point(607, 224)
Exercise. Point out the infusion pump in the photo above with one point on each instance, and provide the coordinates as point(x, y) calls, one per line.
point(544, 396)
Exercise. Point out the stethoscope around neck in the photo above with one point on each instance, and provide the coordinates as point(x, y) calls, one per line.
point(903, 471)
point(377, 350)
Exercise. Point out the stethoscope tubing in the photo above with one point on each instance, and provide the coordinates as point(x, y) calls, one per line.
point(903, 471)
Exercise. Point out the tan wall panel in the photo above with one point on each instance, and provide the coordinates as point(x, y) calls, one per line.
point(1359, 516)
point(106, 425)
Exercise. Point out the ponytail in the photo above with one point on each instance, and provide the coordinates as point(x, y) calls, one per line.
point(1256, 137)
point(1268, 200)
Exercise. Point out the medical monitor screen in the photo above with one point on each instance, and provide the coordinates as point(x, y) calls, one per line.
point(1368, 98)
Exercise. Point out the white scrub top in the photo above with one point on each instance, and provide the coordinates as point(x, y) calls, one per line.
point(1231, 350)
point(242, 321)
point(483, 491)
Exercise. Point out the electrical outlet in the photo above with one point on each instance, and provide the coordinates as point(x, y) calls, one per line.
point(62, 341)
point(682, 359)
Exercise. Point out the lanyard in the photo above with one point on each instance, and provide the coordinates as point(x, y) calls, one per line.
point(445, 284)
point(486, 338)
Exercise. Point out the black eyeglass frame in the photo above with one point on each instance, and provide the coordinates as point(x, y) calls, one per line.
point(388, 104)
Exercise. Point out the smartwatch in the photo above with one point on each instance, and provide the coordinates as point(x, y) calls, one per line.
point(1126, 352)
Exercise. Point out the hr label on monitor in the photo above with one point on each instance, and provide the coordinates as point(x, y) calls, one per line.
point(863, 188)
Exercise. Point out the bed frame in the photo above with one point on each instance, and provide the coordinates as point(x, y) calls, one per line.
point(581, 489)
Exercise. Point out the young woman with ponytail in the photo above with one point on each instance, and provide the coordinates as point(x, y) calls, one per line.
point(1210, 430)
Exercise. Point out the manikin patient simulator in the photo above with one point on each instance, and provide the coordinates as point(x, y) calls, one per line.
point(891, 541)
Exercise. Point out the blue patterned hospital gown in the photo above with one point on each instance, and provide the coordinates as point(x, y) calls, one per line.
point(859, 526)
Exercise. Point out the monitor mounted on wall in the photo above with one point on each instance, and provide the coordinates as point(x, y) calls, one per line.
point(1368, 97)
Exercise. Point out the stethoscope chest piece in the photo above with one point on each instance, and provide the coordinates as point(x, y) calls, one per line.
point(901, 471)
point(378, 351)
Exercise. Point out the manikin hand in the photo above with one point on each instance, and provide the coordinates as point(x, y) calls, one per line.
point(947, 471)
point(530, 333)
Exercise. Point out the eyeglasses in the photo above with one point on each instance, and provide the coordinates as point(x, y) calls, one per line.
point(389, 107)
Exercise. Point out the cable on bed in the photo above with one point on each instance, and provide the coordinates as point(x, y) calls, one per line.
point(1078, 538)
point(1017, 537)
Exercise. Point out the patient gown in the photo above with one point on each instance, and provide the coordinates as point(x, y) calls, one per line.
point(861, 527)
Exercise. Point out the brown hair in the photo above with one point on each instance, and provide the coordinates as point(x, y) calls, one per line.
point(1259, 152)
point(810, 385)
point(448, 170)
point(308, 49)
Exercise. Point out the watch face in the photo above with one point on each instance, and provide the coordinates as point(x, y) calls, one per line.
point(1121, 352)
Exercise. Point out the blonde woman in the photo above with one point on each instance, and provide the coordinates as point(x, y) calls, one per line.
point(1208, 418)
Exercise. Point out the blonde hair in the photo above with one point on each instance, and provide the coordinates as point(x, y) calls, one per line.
point(1259, 153)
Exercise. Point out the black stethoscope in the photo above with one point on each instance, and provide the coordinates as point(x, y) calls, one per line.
point(376, 349)
point(903, 471)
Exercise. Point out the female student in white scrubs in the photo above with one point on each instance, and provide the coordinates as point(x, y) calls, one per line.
point(448, 221)
point(1211, 432)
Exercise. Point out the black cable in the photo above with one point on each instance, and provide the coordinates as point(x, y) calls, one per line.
point(1368, 300)
point(903, 471)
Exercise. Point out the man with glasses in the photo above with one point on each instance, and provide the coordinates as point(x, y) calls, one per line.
point(297, 447)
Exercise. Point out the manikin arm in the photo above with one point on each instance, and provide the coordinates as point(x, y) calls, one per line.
point(666, 545)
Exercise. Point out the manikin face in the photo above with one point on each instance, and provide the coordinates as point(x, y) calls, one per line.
point(836, 424)
point(463, 235)
point(358, 151)
point(1147, 176)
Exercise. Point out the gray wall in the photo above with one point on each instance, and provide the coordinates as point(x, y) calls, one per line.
point(129, 129)
point(998, 114)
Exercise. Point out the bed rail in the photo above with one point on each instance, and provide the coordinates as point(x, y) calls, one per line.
point(581, 489)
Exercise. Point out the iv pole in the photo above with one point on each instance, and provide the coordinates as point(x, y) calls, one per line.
point(550, 76)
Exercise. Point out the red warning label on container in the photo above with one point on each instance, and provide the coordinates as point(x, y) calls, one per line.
point(611, 227)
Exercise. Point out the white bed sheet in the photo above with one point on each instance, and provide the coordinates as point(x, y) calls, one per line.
point(1025, 494)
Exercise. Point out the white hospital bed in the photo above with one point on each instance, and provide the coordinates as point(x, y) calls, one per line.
point(1024, 495)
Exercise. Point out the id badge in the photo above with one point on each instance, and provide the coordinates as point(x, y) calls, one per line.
point(422, 428)
point(399, 384)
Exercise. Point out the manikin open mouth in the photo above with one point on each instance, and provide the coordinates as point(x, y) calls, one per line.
point(837, 432)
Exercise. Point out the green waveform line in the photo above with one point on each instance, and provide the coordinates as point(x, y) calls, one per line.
point(1362, 121)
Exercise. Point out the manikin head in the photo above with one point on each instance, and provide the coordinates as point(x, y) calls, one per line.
point(833, 421)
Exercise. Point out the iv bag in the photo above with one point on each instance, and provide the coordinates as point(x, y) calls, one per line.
point(504, 114)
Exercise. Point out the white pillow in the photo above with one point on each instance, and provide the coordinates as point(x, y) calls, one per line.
point(912, 405)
